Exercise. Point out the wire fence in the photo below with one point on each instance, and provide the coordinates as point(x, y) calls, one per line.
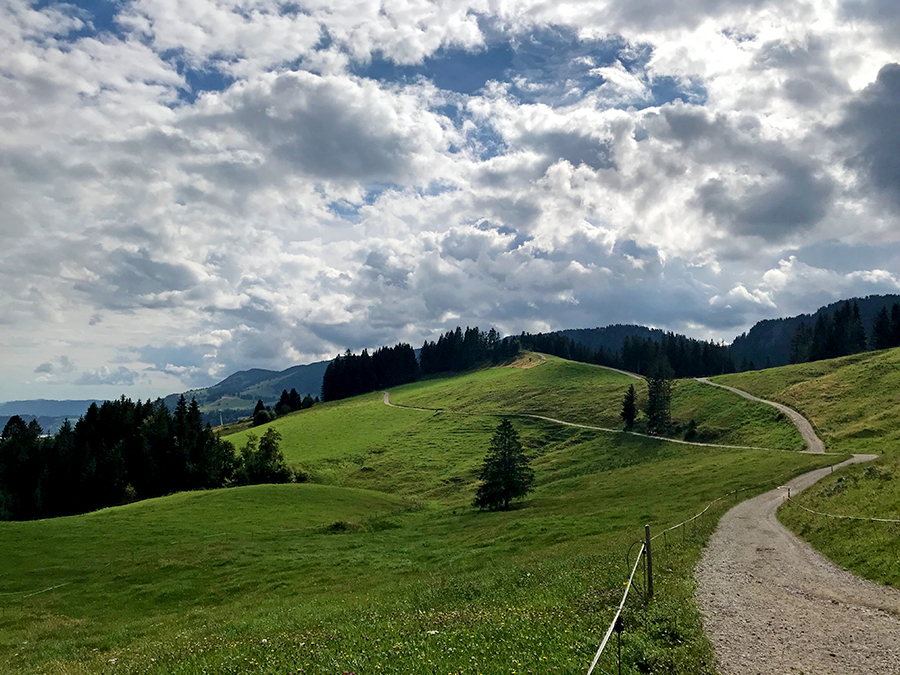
point(835, 515)
point(645, 553)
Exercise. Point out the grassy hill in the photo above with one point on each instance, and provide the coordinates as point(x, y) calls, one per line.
point(387, 568)
point(854, 402)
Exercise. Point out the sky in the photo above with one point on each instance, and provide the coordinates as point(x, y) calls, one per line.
point(193, 187)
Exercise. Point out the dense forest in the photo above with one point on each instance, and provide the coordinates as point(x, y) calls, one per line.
point(119, 452)
point(459, 350)
point(349, 374)
point(670, 354)
point(843, 332)
point(768, 343)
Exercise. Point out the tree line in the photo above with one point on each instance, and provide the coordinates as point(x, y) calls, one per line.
point(672, 355)
point(454, 351)
point(122, 451)
point(458, 350)
point(350, 374)
point(288, 402)
point(842, 333)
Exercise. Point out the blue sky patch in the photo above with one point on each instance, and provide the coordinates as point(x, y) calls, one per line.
point(549, 65)
point(99, 16)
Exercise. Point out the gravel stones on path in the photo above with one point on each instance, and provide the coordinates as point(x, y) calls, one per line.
point(771, 604)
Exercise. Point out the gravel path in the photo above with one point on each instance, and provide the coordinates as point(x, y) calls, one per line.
point(814, 444)
point(771, 604)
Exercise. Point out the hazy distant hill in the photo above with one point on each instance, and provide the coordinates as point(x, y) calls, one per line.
point(43, 407)
point(768, 343)
point(610, 337)
point(49, 414)
point(236, 395)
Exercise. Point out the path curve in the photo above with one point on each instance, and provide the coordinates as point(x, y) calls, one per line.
point(814, 444)
point(387, 402)
point(771, 604)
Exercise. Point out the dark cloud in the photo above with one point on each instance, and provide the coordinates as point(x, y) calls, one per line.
point(808, 76)
point(881, 13)
point(793, 200)
point(130, 279)
point(381, 267)
point(575, 147)
point(871, 125)
point(329, 128)
point(780, 192)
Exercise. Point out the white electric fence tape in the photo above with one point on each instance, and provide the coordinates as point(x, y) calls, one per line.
point(616, 617)
point(834, 515)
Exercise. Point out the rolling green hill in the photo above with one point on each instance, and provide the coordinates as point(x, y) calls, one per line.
point(854, 402)
point(387, 568)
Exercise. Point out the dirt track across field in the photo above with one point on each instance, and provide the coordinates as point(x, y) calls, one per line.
point(771, 604)
point(814, 444)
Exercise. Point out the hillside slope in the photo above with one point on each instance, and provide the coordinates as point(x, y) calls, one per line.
point(855, 404)
point(768, 342)
point(403, 576)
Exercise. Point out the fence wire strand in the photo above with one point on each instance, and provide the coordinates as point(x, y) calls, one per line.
point(612, 625)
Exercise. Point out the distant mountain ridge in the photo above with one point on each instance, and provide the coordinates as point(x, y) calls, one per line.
point(50, 414)
point(236, 395)
point(42, 407)
point(768, 343)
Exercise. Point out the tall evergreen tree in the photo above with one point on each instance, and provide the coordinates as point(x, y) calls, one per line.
point(629, 408)
point(801, 344)
point(895, 325)
point(882, 335)
point(506, 473)
point(659, 401)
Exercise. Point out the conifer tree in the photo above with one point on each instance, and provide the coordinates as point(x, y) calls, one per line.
point(505, 473)
point(659, 401)
point(882, 336)
point(629, 408)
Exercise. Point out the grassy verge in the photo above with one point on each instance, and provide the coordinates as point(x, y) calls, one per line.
point(868, 549)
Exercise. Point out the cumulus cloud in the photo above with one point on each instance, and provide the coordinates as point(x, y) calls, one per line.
point(871, 125)
point(196, 187)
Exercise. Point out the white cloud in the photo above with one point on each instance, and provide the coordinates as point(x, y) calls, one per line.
point(296, 207)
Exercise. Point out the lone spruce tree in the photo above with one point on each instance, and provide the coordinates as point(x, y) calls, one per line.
point(505, 474)
point(629, 408)
point(659, 399)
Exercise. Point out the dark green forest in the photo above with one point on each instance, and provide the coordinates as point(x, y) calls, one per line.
point(119, 452)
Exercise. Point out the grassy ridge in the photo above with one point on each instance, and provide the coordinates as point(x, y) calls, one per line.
point(586, 394)
point(854, 402)
point(333, 578)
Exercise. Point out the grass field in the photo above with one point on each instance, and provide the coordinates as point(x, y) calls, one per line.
point(854, 402)
point(401, 577)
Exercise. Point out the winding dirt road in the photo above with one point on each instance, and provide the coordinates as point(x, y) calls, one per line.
point(771, 604)
point(814, 444)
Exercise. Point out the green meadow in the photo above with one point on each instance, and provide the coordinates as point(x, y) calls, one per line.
point(381, 564)
point(854, 403)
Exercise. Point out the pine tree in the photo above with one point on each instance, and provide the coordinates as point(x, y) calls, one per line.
point(801, 343)
point(882, 337)
point(505, 473)
point(895, 325)
point(629, 408)
point(659, 402)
